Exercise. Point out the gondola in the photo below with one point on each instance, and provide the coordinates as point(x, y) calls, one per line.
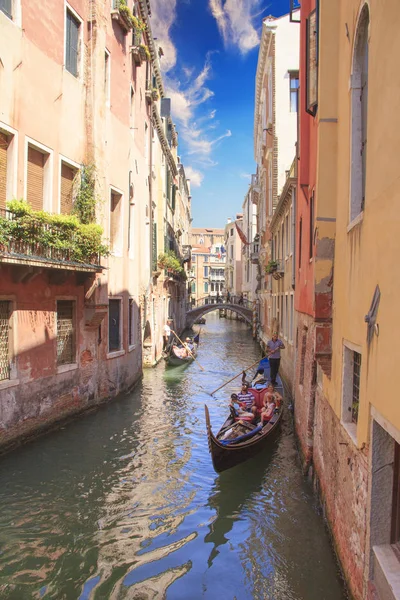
point(239, 440)
point(174, 360)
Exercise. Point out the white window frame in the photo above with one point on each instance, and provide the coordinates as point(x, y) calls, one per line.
point(67, 6)
point(118, 250)
point(347, 388)
point(121, 351)
point(12, 161)
point(47, 173)
point(71, 366)
point(16, 13)
point(70, 163)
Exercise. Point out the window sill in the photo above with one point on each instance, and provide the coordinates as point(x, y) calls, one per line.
point(8, 383)
point(351, 430)
point(130, 348)
point(66, 368)
point(115, 353)
point(389, 566)
point(356, 221)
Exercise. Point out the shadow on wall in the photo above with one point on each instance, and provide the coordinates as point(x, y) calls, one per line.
point(65, 346)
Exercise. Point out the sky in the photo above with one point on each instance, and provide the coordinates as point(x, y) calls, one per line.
point(209, 65)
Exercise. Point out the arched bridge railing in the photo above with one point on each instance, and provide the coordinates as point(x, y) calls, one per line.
point(207, 300)
point(237, 304)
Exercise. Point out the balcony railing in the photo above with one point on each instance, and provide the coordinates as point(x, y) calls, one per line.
point(255, 252)
point(26, 240)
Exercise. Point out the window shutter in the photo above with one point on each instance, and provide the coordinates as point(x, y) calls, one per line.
point(67, 184)
point(5, 314)
point(114, 310)
point(4, 143)
point(35, 178)
point(72, 41)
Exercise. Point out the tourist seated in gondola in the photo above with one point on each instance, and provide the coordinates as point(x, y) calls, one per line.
point(189, 345)
point(273, 394)
point(247, 398)
point(268, 410)
point(239, 407)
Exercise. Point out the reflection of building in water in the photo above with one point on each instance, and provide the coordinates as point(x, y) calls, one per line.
point(146, 507)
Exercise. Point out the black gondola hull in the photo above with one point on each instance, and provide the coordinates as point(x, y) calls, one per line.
point(227, 456)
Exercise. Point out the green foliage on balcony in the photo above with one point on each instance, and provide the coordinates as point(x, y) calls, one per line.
point(133, 21)
point(86, 200)
point(271, 266)
point(70, 239)
point(170, 262)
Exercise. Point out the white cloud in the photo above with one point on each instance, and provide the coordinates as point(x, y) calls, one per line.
point(245, 176)
point(235, 20)
point(163, 15)
point(188, 92)
point(195, 176)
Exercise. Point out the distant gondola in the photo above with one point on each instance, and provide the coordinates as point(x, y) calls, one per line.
point(200, 321)
point(238, 440)
point(174, 360)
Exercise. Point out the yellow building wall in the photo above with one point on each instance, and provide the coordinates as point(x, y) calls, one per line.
point(366, 254)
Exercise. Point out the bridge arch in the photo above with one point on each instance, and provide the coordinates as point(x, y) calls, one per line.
point(199, 311)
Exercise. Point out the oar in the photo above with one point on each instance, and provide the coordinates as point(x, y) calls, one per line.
point(186, 347)
point(234, 377)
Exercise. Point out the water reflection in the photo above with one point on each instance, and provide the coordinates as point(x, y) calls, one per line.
point(124, 503)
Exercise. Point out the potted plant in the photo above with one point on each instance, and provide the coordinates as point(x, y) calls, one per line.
point(271, 266)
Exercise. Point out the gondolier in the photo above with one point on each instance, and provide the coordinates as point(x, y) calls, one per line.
point(167, 334)
point(274, 347)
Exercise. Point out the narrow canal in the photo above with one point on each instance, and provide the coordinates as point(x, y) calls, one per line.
point(124, 503)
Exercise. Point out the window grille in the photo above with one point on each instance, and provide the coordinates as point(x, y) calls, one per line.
point(356, 386)
point(4, 339)
point(114, 323)
point(65, 332)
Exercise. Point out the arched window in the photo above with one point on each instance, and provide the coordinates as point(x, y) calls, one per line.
point(201, 241)
point(359, 114)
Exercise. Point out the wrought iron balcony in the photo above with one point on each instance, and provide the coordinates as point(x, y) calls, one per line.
point(255, 252)
point(31, 242)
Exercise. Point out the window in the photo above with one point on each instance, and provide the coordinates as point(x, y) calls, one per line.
point(311, 240)
point(193, 287)
point(68, 174)
point(38, 168)
point(193, 258)
point(286, 329)
point(107, 69)
point(114, 325)
point(205, 271)
point(351, 386)
point(205, 258)
point(303, 355)
point(132, 322)
point(72, 43)
point(287, 243)
point(232, 251)
point(132, 112)
point(359, 116)
point(205, 287)
point(291, 317)
point(300, 239)
point(294, 92)
point(66, 352)
point(115, 221)
point(5, 317)
point(6, 7)
point(4, 146)
point(232, 231)
point(312, 63)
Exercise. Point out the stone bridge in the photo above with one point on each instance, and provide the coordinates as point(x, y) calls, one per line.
point(242, 307)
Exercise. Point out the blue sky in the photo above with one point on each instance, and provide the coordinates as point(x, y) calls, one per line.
point(209, 65)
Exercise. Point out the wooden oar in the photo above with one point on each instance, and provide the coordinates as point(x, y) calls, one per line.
point(186, 347)
point(234, 377)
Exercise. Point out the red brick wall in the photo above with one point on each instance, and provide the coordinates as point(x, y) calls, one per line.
point(341, 472)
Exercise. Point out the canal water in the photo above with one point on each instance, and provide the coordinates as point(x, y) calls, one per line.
point(124, 503)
